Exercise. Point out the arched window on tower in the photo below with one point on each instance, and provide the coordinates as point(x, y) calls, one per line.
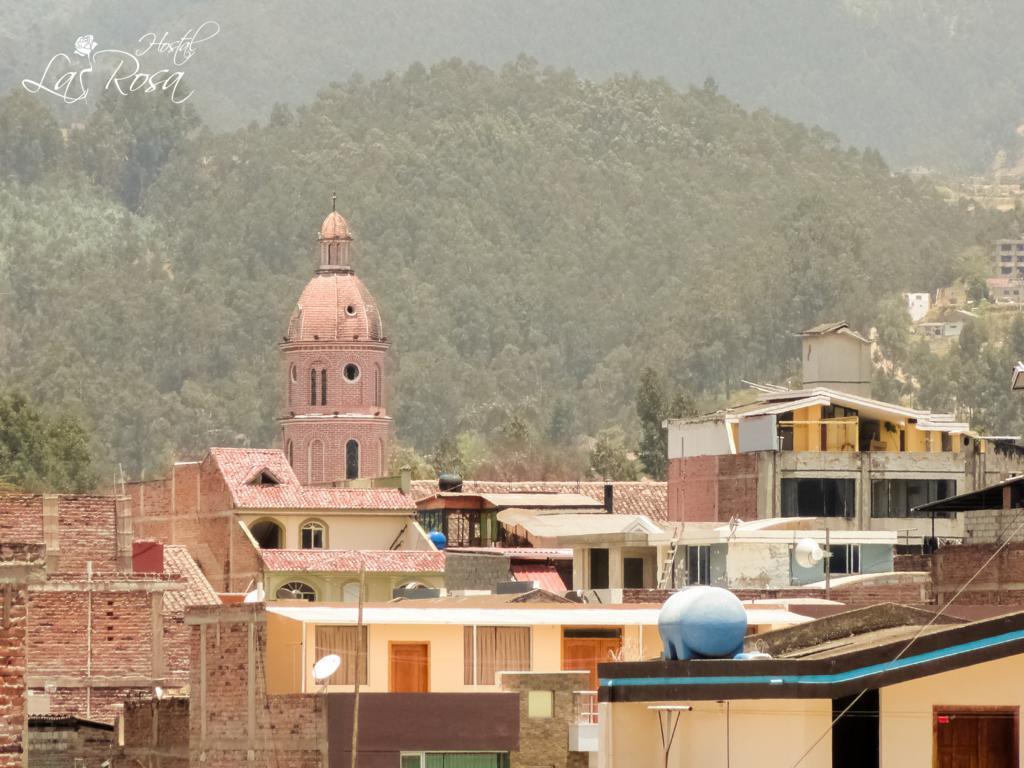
point(351, 460)
point(323, 386)
point(293, 376)
point(289, 451)
point(315, 464)
point(376, 384)
point(312, 386)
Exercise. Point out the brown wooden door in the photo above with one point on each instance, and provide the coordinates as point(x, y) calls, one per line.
point(587, 652)
point(409, 665)
point(976, 739)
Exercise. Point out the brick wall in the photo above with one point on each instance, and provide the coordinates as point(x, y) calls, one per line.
point(193, 507)
point(230, 715)
point(903, 563)
point(68, 743)
point(94, 641)
point(372, 433)
point(156, 732)
point(86, 529)
point(989, 526)
point(20, 564)
point(545, 741)
point(712, 488)
point(1000, 582)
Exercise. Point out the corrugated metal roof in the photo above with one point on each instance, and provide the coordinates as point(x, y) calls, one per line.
point(545, 576)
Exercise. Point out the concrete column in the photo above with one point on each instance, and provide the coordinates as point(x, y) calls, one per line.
point(615, 575)
point(579, 567)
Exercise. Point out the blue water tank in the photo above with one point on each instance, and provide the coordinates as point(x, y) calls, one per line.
point(702, 623)
point(439, 539)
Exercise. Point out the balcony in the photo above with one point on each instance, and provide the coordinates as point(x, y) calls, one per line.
point(583, 729)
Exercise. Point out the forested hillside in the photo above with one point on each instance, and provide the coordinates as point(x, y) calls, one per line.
point(535, 241)
point(929, 82)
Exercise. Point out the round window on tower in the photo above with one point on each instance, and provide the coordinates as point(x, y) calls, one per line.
point(350, 310)
point(351, 372)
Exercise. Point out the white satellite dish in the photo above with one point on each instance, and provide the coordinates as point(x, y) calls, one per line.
point(808, 553)
point(326, 667)
point(258, 595)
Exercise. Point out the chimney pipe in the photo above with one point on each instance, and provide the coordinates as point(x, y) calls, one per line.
point(609, 501)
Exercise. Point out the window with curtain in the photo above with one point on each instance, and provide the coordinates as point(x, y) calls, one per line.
point(498, 649)
point(344, 642)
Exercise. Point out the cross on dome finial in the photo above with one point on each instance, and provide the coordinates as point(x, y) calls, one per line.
point(334, 201)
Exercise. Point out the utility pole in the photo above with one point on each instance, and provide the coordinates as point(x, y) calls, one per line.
point(359, 663)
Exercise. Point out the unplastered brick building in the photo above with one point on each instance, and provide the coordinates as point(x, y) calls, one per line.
point(99, 624)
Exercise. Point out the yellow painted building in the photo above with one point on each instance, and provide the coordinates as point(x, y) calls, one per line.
point(881, 686)
point(462, 644)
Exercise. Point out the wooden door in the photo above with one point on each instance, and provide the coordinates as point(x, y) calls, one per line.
point(409, 667)
point(976, 738)
point(585, 653)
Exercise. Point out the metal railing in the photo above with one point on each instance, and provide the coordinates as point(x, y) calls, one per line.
point(584, 707)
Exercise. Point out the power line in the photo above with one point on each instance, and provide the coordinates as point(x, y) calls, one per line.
point(919, 632)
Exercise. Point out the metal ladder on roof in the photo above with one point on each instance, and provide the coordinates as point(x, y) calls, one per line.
point(668, 564)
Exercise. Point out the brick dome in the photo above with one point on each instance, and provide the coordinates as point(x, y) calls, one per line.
point(334, 227)
point(335, 307)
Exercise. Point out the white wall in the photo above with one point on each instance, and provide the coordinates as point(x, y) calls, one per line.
point(704, 438)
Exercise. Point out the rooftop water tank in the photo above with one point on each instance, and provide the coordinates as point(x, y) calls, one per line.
point(702, 623)
point(449, 482)
point(438, 539)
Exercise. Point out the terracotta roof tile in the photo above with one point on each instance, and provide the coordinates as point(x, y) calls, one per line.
point(645, 497)
point(349, 561)
point(197, 591)
point(239, 466)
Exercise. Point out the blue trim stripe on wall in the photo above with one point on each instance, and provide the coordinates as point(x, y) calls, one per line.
point(838, 677)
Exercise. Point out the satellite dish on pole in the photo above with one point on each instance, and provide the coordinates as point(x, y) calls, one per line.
point(808, 553)
point(326, 667)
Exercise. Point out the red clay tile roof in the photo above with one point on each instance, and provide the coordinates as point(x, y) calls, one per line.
point(238, 466)
point(335, 307)
point(349, 560)
point(197, 591)
point(644, 497)
point(546, 576)
point(334, 227)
